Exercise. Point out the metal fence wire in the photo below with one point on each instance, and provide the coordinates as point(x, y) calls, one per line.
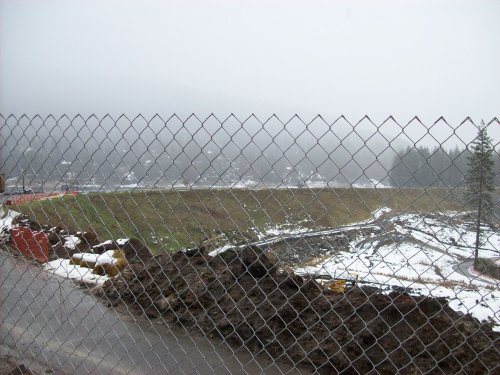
point(154, 245)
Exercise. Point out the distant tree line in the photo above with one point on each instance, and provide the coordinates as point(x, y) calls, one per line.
point(422, 166)
point(211, 153)
point(194, 154)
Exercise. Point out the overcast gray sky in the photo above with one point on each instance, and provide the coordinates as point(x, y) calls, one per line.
point(406, 58)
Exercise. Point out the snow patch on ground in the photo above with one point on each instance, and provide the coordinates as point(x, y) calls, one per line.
point(278, 230)
point(70, 242)
point(377, 214)
point(108, 242)
point(63, 268)
point(220, 250)
point(423, 253)
point(106, 257)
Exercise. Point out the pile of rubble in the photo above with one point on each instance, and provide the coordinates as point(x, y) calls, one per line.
point(244, 298)
point(67, 251)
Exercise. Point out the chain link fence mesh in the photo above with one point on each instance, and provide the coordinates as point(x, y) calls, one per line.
point(222, 245)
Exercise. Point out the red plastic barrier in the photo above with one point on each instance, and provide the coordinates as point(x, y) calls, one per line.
point(31, 244)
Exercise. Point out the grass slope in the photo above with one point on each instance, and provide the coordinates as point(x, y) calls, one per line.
point(171, 219)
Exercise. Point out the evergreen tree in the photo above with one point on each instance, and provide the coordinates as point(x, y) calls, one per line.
point(480, 181)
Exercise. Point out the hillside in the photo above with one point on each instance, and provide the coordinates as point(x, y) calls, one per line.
point(167, 220)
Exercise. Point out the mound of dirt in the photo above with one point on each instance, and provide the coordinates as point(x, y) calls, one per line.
point(245, 299)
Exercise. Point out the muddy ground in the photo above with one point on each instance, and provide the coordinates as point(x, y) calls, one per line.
point(244, 299)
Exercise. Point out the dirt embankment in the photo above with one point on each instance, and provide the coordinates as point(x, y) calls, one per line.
point(243, 298)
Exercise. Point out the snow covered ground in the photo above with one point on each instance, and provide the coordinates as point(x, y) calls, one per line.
point(429, 254)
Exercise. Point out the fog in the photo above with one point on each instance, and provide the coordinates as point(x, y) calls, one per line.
point(123, 153)
point(426, 58)
point(353, 58)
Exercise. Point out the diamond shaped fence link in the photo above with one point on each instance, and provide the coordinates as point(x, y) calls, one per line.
point(202, 245)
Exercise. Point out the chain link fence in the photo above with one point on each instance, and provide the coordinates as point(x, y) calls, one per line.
point(222, 245)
